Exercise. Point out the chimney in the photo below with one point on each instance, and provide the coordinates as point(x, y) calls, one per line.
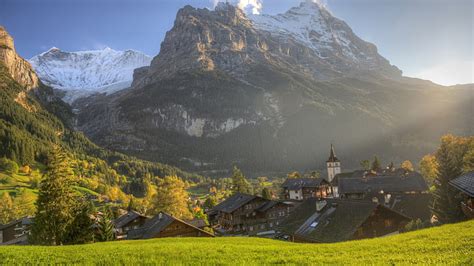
point(160, 215)
point(320, 204)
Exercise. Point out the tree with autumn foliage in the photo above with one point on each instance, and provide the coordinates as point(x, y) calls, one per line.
point(429, 168)
point(172, 198)
point(408, 166)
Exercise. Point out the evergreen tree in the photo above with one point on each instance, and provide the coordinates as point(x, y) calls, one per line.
point(266, 194)
point(105, 228)
point(239, 182)
point(365, 164)
point(376, 165)
point(172, 198)
point(81, 230)
point(446, 207)
point(56, 202)
point(210, 202)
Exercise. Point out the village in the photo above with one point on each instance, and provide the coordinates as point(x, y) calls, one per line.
point(339, 207)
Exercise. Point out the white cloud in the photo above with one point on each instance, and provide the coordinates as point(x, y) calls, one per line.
point(249, 6)
point(449, 73)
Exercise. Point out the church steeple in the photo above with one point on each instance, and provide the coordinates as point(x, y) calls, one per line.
point(332, 155)
point(333, 165)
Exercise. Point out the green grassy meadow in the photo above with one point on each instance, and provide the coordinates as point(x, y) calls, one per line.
point(449, 244)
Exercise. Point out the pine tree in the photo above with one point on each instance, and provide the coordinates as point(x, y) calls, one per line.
point(266, 194)
point(446, 207)
point(81, 230)
point(376, 165)
point(365, 164)
point(105, 229)
point(56, 202)
point(239, 182)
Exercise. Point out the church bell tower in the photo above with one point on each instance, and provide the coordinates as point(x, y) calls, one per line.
point(333, 164)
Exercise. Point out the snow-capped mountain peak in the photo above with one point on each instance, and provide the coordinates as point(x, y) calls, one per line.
point(313, 25)
point(83, 73)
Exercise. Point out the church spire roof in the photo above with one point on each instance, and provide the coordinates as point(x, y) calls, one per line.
point(332, 156)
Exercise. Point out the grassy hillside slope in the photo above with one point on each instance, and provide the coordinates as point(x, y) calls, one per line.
point(451, 244)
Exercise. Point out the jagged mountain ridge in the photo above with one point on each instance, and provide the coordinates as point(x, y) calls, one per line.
point(226, 90)
point(83, 73)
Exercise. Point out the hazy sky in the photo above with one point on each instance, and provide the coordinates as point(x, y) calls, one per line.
point(431, 39)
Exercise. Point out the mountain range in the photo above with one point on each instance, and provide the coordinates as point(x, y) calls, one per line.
point(269, 94)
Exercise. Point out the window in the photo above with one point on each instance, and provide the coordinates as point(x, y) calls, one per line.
point(250, 228)
point(388, 222)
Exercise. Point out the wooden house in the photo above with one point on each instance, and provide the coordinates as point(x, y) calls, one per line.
point(16, 232)
point(305, 188)
point(465, 185)
point(247, 214)
point(401, 190)
point(165, 225)
point(129, 221)
point(335, 220)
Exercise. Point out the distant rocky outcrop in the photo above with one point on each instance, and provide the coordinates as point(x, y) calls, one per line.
point(19, 69)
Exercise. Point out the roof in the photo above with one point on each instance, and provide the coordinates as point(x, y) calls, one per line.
point(411, 181)
point(332, 156)
point(127, 218)
point(234, 202)
point(199, 223)
point(415, 206)
point(23, 221)
point(465, 183)
point(155, 225)
point(337, 221)
point(270, 204)
point(299, 183)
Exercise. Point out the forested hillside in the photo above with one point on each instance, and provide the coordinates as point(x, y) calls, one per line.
point(32, 122)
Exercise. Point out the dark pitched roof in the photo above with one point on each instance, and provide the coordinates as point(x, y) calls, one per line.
point(233, 203)
point(155, 225)
point(411, 181)
point(126, 218)
point(465, 183)
point(22, 221)
point(337, 221)
point(354, 174)
point(298, 183)
point(199, 223)
point(414, 206)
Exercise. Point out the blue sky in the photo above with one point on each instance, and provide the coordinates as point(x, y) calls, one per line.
point(431, 39)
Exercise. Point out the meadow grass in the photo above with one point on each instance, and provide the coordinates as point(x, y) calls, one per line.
point(449, 244)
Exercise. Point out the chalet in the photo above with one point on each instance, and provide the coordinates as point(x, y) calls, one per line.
point(125, 223)
point(403, 191)
point(335, 220)
point(305, 188)
point(16, 232)
point(248, 215)
point(165, 225)
point(465, 184)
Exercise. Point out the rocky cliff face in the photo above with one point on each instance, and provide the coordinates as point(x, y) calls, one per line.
point(19, 69)
point(270, 94)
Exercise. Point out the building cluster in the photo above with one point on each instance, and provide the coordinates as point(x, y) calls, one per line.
point(343, 206)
